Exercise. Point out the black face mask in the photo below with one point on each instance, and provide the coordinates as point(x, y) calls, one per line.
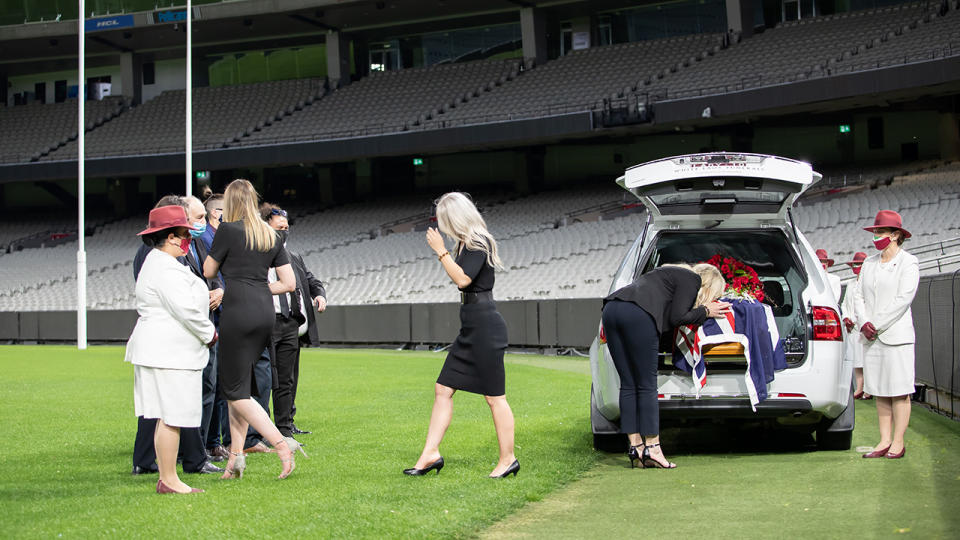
point(283, 236)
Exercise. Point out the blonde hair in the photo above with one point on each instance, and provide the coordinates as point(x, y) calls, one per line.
point(240, 203)
point(458, 218)
point(712, 283)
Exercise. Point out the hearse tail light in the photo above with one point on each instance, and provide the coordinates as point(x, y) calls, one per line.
point(790, 395)
point(826, 324)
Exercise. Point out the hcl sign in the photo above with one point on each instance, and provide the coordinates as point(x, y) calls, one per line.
point(108, 23)
point(170, 16)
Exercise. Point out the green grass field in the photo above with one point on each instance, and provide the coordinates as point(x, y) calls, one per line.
point(68, 427)
point(67, 424)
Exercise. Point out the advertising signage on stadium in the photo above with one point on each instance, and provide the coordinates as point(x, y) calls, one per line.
point(170, 16)
point(108, 23)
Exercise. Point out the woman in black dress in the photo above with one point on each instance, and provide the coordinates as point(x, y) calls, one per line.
point(244, 248)
point(633, 319)
point(475, 361)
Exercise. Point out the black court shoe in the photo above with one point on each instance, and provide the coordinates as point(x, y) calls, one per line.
point(649, 463)
point(634, 456)
point(436, 465)
point(513, 469)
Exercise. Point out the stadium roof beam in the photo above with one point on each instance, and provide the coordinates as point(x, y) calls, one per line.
point(108, 43)
point(308, 20)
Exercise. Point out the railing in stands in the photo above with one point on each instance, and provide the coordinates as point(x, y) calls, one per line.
point(935, 255)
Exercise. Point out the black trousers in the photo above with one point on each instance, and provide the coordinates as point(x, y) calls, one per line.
point(209, 395)
point(633, 341)
point(286, 344)
point(191, 446)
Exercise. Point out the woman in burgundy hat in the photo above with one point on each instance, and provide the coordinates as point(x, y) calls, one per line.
point(168, 346)
point(854, 348)
point(888, 283)
point(826, 262)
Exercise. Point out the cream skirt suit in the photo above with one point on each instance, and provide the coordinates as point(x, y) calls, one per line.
point(168, 347)
point(884, 298)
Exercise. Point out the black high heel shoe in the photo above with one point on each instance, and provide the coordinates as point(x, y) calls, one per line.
point(513, 469)
point(436, 465)
point(634, 455)
point(649, 463)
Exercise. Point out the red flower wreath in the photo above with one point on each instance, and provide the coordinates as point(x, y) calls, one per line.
point(741, 279)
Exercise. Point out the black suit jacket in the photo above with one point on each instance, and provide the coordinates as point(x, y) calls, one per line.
point(667, 294)
point(310, 287)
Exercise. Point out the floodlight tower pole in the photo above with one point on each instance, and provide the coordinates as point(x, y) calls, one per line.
point(189, 107)
point(81, 247)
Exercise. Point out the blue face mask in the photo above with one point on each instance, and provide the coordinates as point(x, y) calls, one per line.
point(201, 227)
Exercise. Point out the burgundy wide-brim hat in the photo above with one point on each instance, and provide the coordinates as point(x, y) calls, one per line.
point(858, 259)
point(822, 255)
point(888, 219)
point(166, 217)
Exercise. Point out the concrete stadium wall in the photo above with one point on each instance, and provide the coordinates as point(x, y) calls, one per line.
point(530, 323)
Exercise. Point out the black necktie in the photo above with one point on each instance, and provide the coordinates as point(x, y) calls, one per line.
point(284, 305)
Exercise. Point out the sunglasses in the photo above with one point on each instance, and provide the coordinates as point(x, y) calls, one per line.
point(278, 212)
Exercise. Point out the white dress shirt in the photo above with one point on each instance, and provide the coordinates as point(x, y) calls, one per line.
point(272, 277)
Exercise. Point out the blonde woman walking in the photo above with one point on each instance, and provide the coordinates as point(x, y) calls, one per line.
point(633, 319)
point(475, 361)
point(244, 248)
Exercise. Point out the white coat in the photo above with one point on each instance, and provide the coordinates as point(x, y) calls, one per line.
point(174, 325)
point(835, 285)
point(884, 297)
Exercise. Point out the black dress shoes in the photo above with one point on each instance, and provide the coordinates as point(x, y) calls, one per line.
point(144, 470)
point(218, 454)
point(298, 431)
point(209, 468)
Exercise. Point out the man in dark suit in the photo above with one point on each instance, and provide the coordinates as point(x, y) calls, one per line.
point(197, 214)
point(296, 324)
point(192, 450)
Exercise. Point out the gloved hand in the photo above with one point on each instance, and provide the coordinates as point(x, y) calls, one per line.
point(848, 323)
point(216, 337)
point(869, 331)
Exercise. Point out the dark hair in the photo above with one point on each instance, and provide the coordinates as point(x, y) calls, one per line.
point(209, 201)
point(172, 200)
point(156, 239)
point(268, 210)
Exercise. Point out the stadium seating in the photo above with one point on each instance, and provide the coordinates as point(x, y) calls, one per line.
point(157, 126)
point(546, 253)
point(390, 101)
point(581, 80)
point(803, 49)
point(33, 131)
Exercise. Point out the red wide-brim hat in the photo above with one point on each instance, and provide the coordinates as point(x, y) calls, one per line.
point(858, 258)
point(822, 255)
point(888, 219)
point(166, 217)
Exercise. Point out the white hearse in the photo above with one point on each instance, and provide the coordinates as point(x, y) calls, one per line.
point(736, 204)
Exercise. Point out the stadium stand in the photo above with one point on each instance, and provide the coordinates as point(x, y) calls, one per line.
point(546, 252)
point(803, 49)
point(582, 79)
point(156, 127)
point(390, 101)
point(927, 38)
point(33, 131)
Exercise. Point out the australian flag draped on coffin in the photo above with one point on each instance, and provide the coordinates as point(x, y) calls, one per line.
point(751, 324)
